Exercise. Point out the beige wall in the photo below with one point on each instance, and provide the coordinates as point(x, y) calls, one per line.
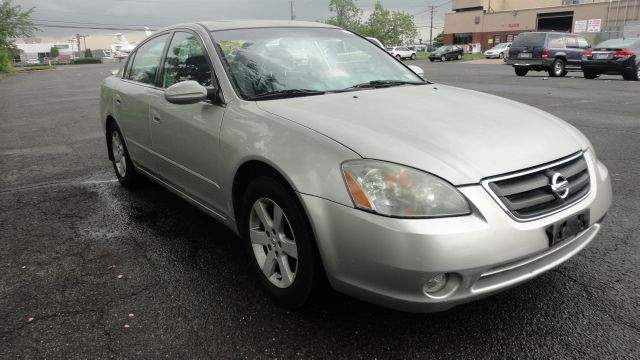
point(521, 20)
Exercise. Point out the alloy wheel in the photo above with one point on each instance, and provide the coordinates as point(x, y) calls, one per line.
point(273, 242)
point(558, 67)
point(117, 150)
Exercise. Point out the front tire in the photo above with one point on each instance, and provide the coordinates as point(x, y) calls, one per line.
point(413, 56)
point(119, 154)
point(280, 242)
point(459, 57)
point(557, 68)
point(521, 72)
point(399, 57)
point(501, 56)
point(443, 58)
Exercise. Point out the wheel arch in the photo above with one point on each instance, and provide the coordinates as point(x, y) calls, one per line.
point(254, 168)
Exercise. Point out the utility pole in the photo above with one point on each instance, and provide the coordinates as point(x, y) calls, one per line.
point(293, 11)
point(78, 39)
point(433, 9)
point(84, 41)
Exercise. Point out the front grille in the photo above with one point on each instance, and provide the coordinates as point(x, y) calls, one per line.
point(528, 194)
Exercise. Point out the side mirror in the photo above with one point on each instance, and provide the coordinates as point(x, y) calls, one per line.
point(418, 70)
point(188, 92)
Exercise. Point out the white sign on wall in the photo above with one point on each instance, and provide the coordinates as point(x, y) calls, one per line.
point(594, 25)
point(580, 27)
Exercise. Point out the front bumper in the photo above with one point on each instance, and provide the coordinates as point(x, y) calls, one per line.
point(387, 260)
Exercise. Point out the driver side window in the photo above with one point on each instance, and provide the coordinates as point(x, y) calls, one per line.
point(186, 60)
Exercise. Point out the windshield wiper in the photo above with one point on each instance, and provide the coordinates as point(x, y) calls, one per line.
point(383, 84)
point(288, 93)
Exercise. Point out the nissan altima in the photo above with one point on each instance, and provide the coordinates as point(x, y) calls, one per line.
point(333, 160)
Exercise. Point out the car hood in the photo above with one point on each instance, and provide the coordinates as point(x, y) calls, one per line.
point(460, 135)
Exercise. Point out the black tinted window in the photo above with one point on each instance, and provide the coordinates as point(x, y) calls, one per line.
point(616, 44)
point(147, 60)
point(186, 60)
point(530, 40)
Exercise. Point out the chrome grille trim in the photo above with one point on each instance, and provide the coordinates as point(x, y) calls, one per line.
point(574, 169)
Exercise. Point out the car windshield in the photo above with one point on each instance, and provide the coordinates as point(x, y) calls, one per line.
point(529, 40)
point(304, 61)
point(500, 46)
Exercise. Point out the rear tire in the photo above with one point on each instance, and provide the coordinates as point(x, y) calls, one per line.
point(119, 154)
point(521, 72)
point(284, 248)
point(633, 75)
point(557, 68)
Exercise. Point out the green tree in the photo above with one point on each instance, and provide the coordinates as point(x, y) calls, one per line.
point(88, 53)
point(15, 22)
point(390, 27)
point(348, 14)
point(54, 52)
point(438, 40)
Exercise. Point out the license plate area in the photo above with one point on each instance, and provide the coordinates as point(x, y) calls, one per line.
point(600, 56)
point(524, 55)
point(567, 228)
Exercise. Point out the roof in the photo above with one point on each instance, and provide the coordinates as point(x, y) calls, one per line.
point(244, 24)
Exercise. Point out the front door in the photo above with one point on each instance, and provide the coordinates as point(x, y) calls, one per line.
point(185, 137)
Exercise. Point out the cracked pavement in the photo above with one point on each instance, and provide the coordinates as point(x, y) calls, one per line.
point(91, 270)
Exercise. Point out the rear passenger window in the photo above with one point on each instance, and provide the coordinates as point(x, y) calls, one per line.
point(582, 43)
point(147, 60)
point(555, 41)
point(571, 42)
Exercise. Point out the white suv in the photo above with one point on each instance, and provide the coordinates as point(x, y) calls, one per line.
point(402, 52)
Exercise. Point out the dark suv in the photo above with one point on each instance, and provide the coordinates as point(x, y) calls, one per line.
point(556, 53)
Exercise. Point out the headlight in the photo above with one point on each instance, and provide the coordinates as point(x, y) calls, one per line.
point(395, 190)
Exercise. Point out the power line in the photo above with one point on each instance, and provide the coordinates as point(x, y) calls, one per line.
point(90, 27)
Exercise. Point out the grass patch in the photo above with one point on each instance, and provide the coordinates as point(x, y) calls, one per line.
point(34, 68)
point(473, 56)
point(421, 55)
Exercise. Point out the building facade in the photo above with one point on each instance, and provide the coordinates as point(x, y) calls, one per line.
point(485, 23)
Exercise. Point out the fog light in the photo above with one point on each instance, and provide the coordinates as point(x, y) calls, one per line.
point(435, 284)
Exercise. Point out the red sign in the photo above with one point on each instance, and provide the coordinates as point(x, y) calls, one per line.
point(514, 25)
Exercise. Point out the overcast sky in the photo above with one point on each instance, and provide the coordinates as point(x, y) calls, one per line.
point(126, 14)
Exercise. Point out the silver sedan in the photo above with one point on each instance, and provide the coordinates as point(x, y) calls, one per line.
point(332, 160)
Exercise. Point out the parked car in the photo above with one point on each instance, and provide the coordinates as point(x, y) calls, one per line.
point(499, 51)
point(447, 52)
point(324, 164)
point(33, 61)
point(556, 53)
point(402, 52)
point(375, 41)
point(615, 57)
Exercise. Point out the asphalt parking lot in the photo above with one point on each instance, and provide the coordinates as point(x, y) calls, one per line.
point(91, 270)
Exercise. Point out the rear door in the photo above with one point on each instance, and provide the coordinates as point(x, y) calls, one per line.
point(133, 95)
point(574, 52)
point(185, 137)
